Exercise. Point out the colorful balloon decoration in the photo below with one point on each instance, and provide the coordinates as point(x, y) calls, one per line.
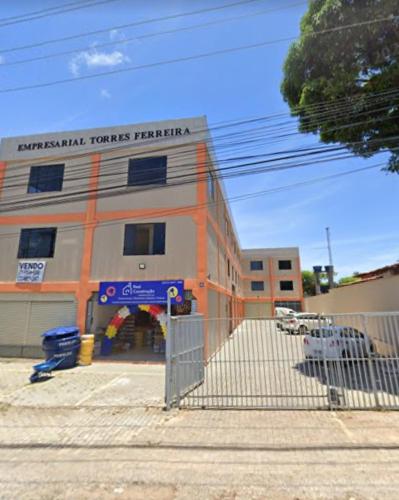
point(154, 310)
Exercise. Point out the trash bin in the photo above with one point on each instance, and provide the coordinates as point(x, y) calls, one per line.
point(62, 342)
point(86, 350)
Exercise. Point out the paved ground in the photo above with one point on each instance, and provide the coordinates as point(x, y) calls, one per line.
point(101, 432)
point(101, 384)
point(263, 367)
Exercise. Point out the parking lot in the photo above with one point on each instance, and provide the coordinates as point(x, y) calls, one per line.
point(260, 366)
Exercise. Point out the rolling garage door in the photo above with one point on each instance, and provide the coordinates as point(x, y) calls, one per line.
point(23, 320)
point(258, 310)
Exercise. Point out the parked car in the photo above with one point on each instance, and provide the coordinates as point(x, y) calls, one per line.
point(337, 342)
point(301, 323)
point(281, 312)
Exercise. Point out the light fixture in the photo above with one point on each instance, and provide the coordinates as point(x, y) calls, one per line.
point(142, 266)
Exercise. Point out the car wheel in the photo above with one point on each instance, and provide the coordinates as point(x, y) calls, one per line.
point(302, 330)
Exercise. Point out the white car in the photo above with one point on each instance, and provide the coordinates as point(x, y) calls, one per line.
point(282, 312)
point(336, 342)
point(304, 322)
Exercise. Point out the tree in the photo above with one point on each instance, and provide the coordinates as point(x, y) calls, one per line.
point(308, 283)
point(343, 83)
point(347, 280)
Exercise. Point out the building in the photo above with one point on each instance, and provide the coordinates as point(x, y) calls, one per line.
point(136, 202)
point(375, 291)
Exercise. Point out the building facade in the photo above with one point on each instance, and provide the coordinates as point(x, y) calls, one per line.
point(137, 202)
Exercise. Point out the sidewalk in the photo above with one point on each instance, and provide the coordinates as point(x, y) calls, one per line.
point(90, 449)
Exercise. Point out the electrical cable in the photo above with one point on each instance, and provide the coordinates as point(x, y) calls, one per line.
point(176, 60)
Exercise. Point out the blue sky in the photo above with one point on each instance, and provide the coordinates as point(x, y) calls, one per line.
point(360, 209)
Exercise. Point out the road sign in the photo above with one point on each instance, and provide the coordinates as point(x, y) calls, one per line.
point(140, 292)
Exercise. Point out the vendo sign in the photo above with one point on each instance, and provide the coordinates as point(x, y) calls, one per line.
point(30, 271)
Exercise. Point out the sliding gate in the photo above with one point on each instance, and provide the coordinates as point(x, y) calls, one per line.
point(264, 364)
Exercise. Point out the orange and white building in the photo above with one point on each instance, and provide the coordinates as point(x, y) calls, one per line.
point(135, 202)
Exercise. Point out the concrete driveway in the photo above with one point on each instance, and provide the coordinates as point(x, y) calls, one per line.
point(101, 432)
point(262, 367)
point(99, 385)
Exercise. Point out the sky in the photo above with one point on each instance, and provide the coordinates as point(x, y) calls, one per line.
point(360, 209)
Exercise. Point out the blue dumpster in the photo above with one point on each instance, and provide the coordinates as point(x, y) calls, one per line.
point(62, 342)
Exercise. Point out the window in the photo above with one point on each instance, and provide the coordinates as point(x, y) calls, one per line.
point(46, 178)
point(37, 242)
point(144, 239)
point(256, 265)
point(145, 171)
point(286, 285)
point(211, 186)
point(284, 265)
point(257, 286)
point(228, 267)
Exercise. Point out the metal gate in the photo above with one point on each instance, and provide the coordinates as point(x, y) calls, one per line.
point(345, 361)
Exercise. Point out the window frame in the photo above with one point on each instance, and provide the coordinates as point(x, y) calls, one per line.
point(129, 247)
point(262, 289)
point(161, 181)
point(23, 253)
point(38, 168)
point(285, 268)
point(286, 289)
point(256, 261)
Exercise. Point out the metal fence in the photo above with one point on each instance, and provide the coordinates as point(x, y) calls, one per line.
point(184, 357)
point(344, 361)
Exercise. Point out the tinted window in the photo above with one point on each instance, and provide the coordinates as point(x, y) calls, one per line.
point(211, 186)
point(286, 285)
point(144, 239)
point(145, 171)
point(284, 265)
point(257, 286)
point(256, 265)
point(46, 178)
point(37, 242)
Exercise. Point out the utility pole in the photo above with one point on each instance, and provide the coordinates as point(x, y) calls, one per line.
point(329, 247)
point(330, 267)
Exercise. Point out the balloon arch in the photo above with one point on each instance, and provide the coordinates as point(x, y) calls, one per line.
point(156, 311)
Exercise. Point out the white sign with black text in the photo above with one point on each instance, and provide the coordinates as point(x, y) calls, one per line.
point(30, 271)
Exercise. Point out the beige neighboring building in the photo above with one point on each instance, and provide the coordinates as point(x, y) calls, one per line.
point(109, 204)
point(375, 291)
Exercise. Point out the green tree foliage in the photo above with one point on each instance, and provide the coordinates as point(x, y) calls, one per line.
point(308, 283)
point(347, 280)
point(341, 84)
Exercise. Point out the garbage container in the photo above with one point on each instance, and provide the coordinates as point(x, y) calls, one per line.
point(62, 342)
point(86, 350)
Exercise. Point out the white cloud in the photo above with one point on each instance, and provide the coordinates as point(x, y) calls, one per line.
point(105, 94)
point(96, 59)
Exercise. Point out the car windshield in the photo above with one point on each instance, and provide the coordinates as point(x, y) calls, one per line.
point(321, 333)
point(351, 332)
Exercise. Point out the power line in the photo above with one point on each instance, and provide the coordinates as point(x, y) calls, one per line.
point(127, 25)
point(180, 59)
point(220, 140)
point(124, 41)
point(10, 18)
point(174, 211)
point(53, 12)
point(198, 176)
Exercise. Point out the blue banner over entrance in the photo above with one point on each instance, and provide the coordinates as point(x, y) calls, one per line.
point(140, 292)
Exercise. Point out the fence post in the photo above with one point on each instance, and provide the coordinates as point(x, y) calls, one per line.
point(168, 358)
point(370, 362)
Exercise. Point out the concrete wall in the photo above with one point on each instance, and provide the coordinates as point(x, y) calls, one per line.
point(64, 266)
point(380, 295)
point(181, 161)
point(179, 261)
